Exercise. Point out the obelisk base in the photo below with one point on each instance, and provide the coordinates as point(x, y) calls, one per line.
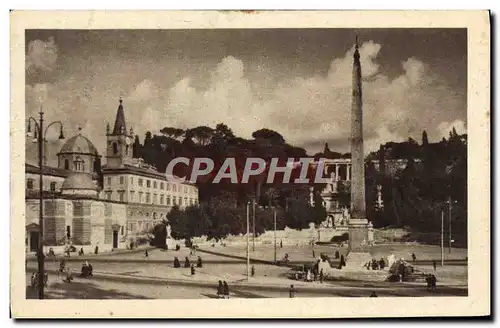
point(358, 234)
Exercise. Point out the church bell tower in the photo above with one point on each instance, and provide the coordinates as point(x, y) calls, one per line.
point(119, 142)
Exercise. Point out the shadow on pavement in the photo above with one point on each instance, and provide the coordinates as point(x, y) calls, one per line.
point(79, 290)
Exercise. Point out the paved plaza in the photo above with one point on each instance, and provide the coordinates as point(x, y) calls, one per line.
point(131, 275)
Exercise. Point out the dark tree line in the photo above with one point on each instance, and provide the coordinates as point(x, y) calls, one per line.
point(412, 197)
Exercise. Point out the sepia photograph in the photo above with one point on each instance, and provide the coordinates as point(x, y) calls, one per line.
point(329, 163)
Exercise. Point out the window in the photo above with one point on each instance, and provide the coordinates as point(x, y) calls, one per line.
point(174, 200)
point(185, 189)
point(108, 195)
point(154, 184)
point(168, 200)
point(148, 183)
point(180, 201)
point(52, 186)
point(174, 188)
point(131, 180)
point(132, 196)
point(148, 198)
point(155, 198)
point(122, 198)
point(115, 148)
point(186, 201)
point(162, 198)
point(30, 183)
point(66, 164)
point(161, 185)
point(126, 150)
point(121, 180)
point(109, 181)
point(140, 197)
point(140, 182)
point(168, 186)
point(122, 230)
point(68, 232)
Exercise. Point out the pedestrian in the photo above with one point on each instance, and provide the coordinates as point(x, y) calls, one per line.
point(413, 257)
point(321, 276)
point(220, 290)
point(192, 270)
point(177, 263)
point(428, 281)
point(199, 264)
point(146, 254)
point(226, 289)
point(96, 249)
point(434, 265)
point(314, 255)
point(281, 243)
point(80, 253)
point(292, 291)
point(253, 270)
point(337, 254)
point(433, 282)
point(187, 264)
point(342, 261)
point(373, 294)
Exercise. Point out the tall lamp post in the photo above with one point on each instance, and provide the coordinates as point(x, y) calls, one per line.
point(40, 136)
point(248, 240)
point(253, 225)
point(449, 201)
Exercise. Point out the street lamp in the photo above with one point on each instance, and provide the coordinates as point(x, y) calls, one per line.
point(275, 245)
point(248, 240)
point(40, 135)
point(253, 225)
point(449, 202)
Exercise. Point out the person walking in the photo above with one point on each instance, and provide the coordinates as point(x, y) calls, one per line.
point(146, 254)
point(220, 290)
point(434, 265)
point(226, 289)
point(192, 270)
point(253, 271)
point(292, 291)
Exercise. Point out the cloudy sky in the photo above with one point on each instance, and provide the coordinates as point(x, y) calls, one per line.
point(294, 81)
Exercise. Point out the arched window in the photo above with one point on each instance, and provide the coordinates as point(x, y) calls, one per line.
point(66, 164)
point(126, 150)
point(115, 148)
point(82, 168)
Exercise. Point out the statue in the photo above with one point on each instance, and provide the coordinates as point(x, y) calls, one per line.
point(333, 183)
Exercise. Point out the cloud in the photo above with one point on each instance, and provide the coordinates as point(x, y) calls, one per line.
point(444, 128)
point(316, 109)
point(41, 59)
point(145, 90)
point(307, 110)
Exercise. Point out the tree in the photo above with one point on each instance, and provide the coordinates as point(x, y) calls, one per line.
point(179, 223)
point(137, 148)
point(326, 150)
point(425, 140)
point(172, 132)
point(270, 135)
point(201, 134)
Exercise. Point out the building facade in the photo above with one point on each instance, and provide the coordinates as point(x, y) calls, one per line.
point(133, 197)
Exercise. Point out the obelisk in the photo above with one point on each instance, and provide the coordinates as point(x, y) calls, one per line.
point(358, 224)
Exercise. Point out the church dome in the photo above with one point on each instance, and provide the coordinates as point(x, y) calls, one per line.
point(79, 181)
point(79, 145)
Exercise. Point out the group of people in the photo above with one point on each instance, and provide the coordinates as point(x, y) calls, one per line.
point(431, 281)
point(223, 289)
point(87, 270)
point(187, 264)
point(35, 277)
point(375, 265)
